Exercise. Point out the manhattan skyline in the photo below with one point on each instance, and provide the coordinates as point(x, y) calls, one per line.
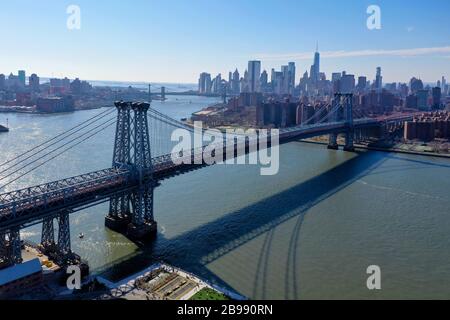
point(412, 41)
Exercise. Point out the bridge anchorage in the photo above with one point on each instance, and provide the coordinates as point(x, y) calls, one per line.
point(131, 212)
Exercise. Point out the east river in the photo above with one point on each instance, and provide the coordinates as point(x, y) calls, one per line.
point(309, 232)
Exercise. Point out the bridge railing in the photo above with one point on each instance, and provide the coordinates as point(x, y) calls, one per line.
point(12, 204)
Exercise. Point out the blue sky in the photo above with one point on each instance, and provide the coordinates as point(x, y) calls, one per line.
point(175, 40)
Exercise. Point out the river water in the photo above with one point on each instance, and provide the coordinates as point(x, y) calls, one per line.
point(309, 232)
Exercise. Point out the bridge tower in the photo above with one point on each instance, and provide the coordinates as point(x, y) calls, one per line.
point(132, 212)
point(142, 220)
point(348, 111)
point(119, 209)
point(332, 142)
point(343, 103)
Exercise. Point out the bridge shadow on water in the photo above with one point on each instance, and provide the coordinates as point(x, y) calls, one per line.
point(197, 248)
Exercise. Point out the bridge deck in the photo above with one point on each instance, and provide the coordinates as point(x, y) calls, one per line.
point(31, 205)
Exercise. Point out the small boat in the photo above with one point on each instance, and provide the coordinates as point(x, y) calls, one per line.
point(81, 235)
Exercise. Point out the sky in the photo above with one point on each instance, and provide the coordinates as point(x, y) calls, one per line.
point(175, 40)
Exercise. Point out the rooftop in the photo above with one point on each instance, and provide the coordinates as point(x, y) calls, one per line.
point(19, 271)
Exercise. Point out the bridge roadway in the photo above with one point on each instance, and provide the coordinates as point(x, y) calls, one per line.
point(26, 207)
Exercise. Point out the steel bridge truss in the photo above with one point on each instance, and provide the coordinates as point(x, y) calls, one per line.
point(129, 185)
point(10, 248)
point(133, 211)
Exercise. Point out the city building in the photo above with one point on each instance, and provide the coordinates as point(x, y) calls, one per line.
point(378, 80)
point(277, 114)
point(362, 84)
point(204, 83)
point(315, 68)
point(34, 83)
point(53, 105)
point(217, 85)
point(254, 76)
point(428, 126)
point(291, 77)
point(422, 100)
point(336, 81)
point(59, 86)
point(14, 82)
point(22, 77)
point(264, 80)
point(415, 85)
point(2, 82)
point(347, 83)
point(411, 101)
point(20, 278)
point(444, 85)
point(236, 85)
point(436, 93)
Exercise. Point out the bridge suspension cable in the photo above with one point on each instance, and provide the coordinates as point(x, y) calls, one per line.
point(99, 128)
point(56, 139)
point(318, 112)
point(330, 113)
point(109, 122)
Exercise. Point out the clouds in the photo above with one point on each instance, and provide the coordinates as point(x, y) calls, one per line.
point(358, 53)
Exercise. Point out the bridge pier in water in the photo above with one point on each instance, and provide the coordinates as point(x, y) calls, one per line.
point(132, 213)
point(332, 142)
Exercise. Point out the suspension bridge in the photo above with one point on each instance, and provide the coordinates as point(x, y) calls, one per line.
point(142, 160)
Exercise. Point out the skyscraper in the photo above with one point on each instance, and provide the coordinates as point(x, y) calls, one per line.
point(22, 77)
point(315, 68)
point(336, 81)
point(2, 82)
point(204, 83)
point(422, 100)
point(348, 83)
point(285, 80)
point(436, 97)
point(291, 77)
point(415, 85)
point(217, 84)
point(236, 85)
point(378, 80)
point(254, 75)
point(264, 80)
point(362, 83)
point(444, 85)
